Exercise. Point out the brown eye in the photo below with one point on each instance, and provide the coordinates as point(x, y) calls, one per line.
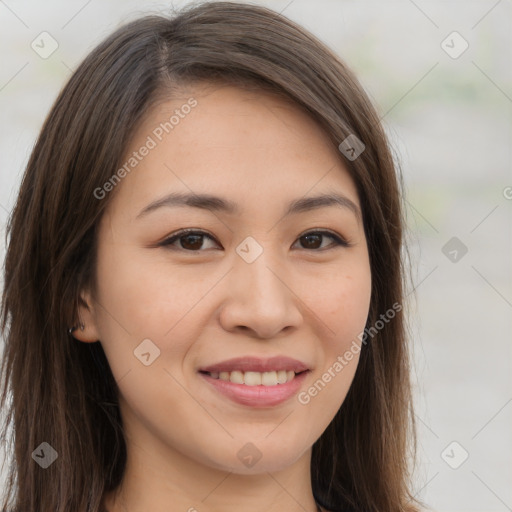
point(313, 240)
point(188, 240)
point(193, 241)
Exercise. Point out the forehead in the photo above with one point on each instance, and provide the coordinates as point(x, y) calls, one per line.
point(232, 142)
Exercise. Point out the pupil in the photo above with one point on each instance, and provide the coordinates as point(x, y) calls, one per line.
point(311, 239)
point(196, 241)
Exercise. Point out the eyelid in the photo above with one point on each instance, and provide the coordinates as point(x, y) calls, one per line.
point(168, 240)
point(339, 240)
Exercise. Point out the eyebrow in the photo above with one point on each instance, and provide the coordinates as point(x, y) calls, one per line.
point(219, 204)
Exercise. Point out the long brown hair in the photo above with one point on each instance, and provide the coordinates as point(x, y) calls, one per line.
point(62, 392)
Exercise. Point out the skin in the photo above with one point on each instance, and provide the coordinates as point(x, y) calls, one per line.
point(203, 306)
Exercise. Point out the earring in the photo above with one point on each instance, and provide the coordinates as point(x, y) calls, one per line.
point(71, 329)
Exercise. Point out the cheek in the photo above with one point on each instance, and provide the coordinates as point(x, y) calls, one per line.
point(351, 305)
point(341, 302)
point(141, 300)
point(342, 307)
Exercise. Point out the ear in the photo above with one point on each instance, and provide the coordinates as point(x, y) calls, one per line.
point(87, 316)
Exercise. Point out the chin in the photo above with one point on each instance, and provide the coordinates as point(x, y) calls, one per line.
point(259, 456)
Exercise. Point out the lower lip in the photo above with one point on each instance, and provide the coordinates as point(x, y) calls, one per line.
point(257, 396)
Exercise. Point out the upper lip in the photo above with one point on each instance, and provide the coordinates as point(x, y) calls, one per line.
point(257, 364)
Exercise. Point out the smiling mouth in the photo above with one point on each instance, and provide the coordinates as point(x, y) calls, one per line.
point(272, 378)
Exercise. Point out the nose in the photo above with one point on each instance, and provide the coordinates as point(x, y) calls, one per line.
point(260, 300)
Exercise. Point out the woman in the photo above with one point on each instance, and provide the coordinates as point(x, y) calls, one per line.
point(203, 302)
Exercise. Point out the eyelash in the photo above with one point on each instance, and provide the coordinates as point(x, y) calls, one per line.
point(338, 240)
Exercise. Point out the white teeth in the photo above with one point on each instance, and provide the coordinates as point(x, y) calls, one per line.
point(255, 378)
point(237, 377)
point(269, 378)
point(252, 379)
point(282, 376)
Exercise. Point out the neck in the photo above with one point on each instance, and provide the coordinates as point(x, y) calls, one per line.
point(155, 478)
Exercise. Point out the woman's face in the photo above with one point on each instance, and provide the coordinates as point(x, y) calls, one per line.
point(230, 345)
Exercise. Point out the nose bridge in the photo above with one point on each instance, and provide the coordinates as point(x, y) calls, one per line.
point(256, 267)
point(259, 298)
